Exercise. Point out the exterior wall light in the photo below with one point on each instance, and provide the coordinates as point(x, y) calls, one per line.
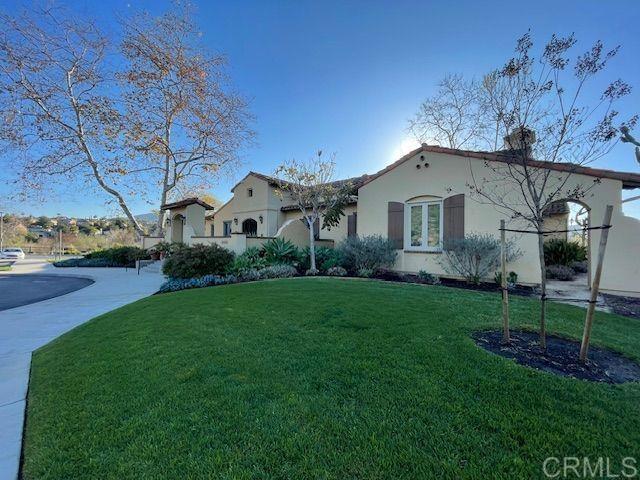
point(261, 218)
point(235, 220)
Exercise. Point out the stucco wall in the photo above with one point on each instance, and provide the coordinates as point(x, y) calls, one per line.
point(556, 222)
point(337, 234)
point(449, 175)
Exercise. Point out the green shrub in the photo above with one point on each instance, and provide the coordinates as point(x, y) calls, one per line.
point(563, 252)
point(251, 259)
point(580, 266)
point(326, 258)
point(166, 248)
point(336, 272)
point(250, 275)
point(278, 271)
point(561, 272)
point(120, 256)
point(370, 253)
point(175, 284)
point(86, 262)
point(365, 272)
point(512, 278)
point(428, 278)
point(475, 256)
point(197, 261)
point(279, 251)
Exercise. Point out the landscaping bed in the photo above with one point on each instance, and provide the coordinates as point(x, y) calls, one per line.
point(561, 357)
point(317, 378)
point(123, 257)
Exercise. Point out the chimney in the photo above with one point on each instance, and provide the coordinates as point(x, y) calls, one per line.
point(520, 139)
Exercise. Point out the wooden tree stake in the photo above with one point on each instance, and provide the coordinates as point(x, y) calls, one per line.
point(503, 283)
point(588, 322)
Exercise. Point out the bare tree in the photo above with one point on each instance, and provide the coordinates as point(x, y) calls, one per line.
point(184, 117)
point(455, 117)
point(542, 115)
point(309, 184)
point(57, 106)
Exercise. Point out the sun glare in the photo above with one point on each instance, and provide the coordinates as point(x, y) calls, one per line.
point(407, 145)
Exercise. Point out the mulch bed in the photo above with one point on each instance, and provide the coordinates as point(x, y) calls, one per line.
point(561, 357)
point(394, 276)
point(627, 306)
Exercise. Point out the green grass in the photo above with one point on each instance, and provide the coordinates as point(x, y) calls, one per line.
point(5, 268)
point(317, 378)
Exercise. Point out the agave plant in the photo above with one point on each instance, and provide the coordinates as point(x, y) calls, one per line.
point(281, 251)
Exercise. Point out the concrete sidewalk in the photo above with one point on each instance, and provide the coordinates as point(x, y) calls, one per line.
point(24, 329)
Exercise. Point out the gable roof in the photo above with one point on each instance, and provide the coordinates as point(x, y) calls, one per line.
point(185, 203)
point(274, 181)
point(629, 180)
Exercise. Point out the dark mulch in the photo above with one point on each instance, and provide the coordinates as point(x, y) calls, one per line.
point(627, 306)
point(394, 276)
point(561, 357)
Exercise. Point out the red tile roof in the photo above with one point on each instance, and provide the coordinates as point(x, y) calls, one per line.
point(186, 202)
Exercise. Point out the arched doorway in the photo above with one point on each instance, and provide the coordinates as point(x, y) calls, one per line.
point(177, 227)
point(570, 219)
point(250, 227)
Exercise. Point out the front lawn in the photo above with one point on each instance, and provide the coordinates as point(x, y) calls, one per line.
point(317, 378)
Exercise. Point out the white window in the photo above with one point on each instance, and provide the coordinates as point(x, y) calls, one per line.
point(423, 226)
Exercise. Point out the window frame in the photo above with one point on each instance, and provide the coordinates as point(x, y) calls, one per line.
point(226, 232)
point(424, 247)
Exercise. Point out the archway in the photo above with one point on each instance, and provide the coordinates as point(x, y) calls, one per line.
point(574, 217)
point(250, 227)
point(177, 227)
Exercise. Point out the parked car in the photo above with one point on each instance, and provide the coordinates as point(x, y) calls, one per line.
point(12, 253)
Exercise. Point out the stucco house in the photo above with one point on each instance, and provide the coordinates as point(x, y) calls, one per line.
point(419, 202)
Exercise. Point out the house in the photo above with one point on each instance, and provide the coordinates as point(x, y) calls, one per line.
point(419, 202)
point(40, 232)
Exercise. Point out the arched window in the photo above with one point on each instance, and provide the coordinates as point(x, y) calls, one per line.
point(250, 227)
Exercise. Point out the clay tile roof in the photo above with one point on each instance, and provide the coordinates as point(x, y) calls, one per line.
point(186, 202)
point(273, 181)
point(629, 180)
point(556, 208)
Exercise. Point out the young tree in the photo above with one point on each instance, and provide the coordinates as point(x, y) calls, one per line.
point(540, 110)
point(184, 117)
point(56, 103)
point(309, 184)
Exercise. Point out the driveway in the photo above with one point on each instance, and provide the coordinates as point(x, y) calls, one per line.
point(19, 290)
point(25, 328)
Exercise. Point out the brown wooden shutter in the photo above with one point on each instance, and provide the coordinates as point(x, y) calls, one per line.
point(395, 226)
point(352, 225)
point(453, 220)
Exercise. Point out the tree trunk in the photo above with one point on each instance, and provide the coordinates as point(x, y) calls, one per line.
point(503, 285)
point(543, 293)
point(312, 245)
point(163, 200)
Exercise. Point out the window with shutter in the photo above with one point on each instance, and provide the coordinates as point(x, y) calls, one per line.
point(453, 224)
point(352, 225)
point(395, 224)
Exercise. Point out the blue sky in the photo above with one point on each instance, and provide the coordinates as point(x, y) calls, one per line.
point(345, 76)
